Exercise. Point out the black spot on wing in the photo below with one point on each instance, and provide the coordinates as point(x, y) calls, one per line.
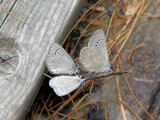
point(56, 51)
point(102, 39)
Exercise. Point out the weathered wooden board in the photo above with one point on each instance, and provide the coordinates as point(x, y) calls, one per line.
point(26, 45)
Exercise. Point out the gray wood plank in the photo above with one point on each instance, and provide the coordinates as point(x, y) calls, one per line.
point(7, 4)
point(49, 21)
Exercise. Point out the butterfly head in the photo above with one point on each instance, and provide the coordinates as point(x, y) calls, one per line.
point(106, 68)
point(73, 70)
point(82, 82)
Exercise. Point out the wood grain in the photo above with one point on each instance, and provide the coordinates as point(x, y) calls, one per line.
point(49, 21)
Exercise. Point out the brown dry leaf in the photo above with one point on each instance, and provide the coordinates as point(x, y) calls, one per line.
point(131, 8)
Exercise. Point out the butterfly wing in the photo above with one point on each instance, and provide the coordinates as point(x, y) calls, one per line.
point(63, 85)
point(59, 62)
point(91, 60)
point(98, 42)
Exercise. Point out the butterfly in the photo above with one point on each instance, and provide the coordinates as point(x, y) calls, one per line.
point(94, 58)
point(59, 62)
point(63, 85)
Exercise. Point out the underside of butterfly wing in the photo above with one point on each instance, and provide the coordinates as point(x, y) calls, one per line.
point(59, 62)
point(63, 85)
point(91, 60)
point(98, 42)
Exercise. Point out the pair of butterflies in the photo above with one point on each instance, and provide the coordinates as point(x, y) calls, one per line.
point(93, 58)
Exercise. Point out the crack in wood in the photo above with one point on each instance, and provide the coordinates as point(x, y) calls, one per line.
point(7, 13)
